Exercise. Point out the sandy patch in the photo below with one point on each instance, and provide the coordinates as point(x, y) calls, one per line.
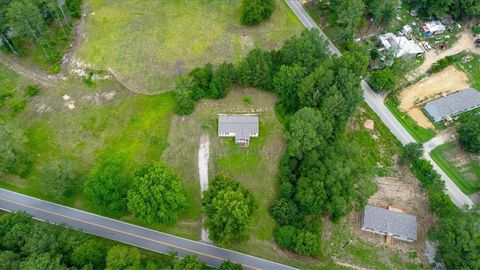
point(446, 81)
point(369, 124)
point(203, 156)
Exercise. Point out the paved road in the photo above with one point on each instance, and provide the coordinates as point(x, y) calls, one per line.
point(128, 233)
point(375, 101)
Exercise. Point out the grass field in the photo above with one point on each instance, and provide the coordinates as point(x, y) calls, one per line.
point(13, 95)
point(418, 133)
point(472, 68)
point(464, 169)
point(147, 43)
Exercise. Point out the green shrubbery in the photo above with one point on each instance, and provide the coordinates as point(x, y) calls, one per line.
point(256, 11)
point(228, 207)
point(32, 90)
point(469, 132)
point(457, 234)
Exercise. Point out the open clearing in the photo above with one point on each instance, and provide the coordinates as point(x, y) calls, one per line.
point(462, 167)
point(446, 81)
point(146, 43)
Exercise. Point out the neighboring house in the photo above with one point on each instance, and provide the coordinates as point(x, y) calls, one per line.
point(453, 105)
point(240, 126)
point(406, 30)
point(400, 46)
point(389, 223)
point(433, 28)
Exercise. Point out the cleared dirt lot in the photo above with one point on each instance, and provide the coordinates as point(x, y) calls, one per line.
point(465, 42)
point(446, 81)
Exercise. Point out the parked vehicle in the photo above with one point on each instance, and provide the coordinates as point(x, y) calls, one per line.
point(477, 41)
point(427, 46)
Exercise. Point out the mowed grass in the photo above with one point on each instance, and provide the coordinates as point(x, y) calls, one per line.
point(146, 43)
point(464, 169)
point(419, 133)
point(107, 120)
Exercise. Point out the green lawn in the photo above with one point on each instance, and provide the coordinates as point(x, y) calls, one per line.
point(12, 92)
point(462, 168)
point(146, 43)
point(418, 133)
point(472, 68)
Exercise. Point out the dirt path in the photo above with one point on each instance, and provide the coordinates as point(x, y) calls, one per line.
point(465, 42)
point(203, 155)
point(79, 33)
point(36, 75)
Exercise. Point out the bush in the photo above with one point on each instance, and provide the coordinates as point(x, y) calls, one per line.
point(58, 178)
point(284, 211)
point(189, 262)
point(122, 257)
point(300, 241)
point(19, 106)
point(75, 8)
point(382, 80)
point(469, 133)
point(107, 187)
point(32, 90)
point(285, 236)
point(256, 11)
point(157, 194)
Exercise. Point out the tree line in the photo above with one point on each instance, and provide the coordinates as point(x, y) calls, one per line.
point(320, 172)
point(29, 245)
point(31, 21)
point(457, 232)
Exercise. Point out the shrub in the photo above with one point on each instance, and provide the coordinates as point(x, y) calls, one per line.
point(383, 80)
point(256, 11)
point(301, 241)
point(285, 236)
point(32, 90)
point(19, 106)
point(57, 178)
point(284, 211)
point(75, 8)
point(469, 133)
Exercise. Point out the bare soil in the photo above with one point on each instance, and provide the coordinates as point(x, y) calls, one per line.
point(465, 42)
point(446, 81)
point(403, 192)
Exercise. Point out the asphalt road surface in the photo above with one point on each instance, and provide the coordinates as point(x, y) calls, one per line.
point(375, 101)
point(128, 233)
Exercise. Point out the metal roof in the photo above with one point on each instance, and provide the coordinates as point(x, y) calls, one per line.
point(386, 222)
point(242, 125)
point(453, 104)
point(400, 45)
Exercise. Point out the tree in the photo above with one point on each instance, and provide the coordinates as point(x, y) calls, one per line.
point(459, 9)
point(12, 146)
point(256, 11)
point(42, 261)
point(458, 238)
point(300, 241)
point(25, 17)
point(307, 129)
point(228, 207)
point(382, 11)
point(286, 83)
point(222, 80)
point(256, 70)
point(156, 194)
point(228, 265)
point(189, 262)
point(347, 17)
point(383, 80)
point(285, 236)
point(307, 50)
point(284, 211)
point(469, 133)
point(57, 178)
point(90, 253)
point(106, 186)
point(9, 260)
point(123, 258)
point(412, 152)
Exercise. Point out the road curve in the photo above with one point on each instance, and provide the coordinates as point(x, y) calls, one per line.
point(128, 233)
point(375, 102)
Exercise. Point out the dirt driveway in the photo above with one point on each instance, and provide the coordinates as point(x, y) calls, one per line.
point(465, 42)
point(446, 81)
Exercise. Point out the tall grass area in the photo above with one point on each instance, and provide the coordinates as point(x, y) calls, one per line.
point(466, 176)
point(147, 43)
point(418, 133)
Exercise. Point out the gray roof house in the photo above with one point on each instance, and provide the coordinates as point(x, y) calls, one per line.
point(240, 126)
point(453, 105)
point(389, 223)
point(400, 46)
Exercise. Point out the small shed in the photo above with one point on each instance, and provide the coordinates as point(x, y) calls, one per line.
point(453, 105)
point(240, 126)
point(407, 30)
point(433, 28)
point(389, 223)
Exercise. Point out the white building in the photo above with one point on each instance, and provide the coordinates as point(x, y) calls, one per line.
point(433, 28)
point(400, 46)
